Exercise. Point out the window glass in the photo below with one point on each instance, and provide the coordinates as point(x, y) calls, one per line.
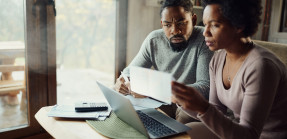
point(13, 107)
point(85, 32)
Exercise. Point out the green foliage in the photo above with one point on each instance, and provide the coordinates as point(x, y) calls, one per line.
point(12, 20)
point(86, 33)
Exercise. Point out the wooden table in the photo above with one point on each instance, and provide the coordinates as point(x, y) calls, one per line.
point(72, 129)
point(9, 51)
point(12, 50)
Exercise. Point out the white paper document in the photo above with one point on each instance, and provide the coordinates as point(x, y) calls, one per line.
point(68, 111)
point(143, 103)
point(151, 83)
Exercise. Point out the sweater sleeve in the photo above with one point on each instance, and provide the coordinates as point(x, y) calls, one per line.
point(143, 57)
point(202, 71)
point(260, 81)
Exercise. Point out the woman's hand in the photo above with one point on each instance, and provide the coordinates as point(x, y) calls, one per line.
point(188, 98)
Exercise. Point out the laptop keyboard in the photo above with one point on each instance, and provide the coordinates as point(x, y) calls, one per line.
point(153, 126)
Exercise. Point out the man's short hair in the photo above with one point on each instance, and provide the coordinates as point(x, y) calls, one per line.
point(186, 4)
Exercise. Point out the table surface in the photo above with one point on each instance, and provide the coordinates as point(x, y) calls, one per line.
point(12, 51)
point(72, 129)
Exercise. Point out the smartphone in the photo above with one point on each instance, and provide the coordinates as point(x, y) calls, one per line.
point(90, 107)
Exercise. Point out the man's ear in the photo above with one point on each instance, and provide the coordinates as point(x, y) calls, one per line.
point(161, 25)
point(194, 19)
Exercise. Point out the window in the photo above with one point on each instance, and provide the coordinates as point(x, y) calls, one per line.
point(12, 60)
point(40, 58)
point(283, 22)
point(86, 38)
point(39, 61)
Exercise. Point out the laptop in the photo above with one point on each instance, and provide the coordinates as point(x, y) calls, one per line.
point(149, 122)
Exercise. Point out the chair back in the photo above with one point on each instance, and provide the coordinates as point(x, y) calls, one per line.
point(280, 50)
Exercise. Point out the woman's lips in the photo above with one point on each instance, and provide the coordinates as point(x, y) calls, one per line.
point(209, 43)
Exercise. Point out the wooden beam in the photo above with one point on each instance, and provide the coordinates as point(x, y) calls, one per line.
point(9, 68)
point(11, 83)
point(51, 54)
point(7, 90)
point(266, 20)
point(121, 36)
point(36, 66)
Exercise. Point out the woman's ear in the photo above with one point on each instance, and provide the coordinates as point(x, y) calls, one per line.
point(239, 29)
point(194, 19)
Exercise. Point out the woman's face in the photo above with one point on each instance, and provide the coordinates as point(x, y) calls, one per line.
point(218, 32)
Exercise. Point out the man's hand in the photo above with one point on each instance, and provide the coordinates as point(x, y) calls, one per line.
point(124, 88)
point(121, 86)
point(135, 95)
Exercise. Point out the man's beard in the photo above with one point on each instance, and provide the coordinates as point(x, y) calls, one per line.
point(178, 47)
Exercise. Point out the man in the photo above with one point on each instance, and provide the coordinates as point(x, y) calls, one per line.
point(178, 48)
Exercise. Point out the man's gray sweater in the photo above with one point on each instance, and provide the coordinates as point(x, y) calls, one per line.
point(189, 66)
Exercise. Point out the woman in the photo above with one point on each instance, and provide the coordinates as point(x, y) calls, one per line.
point(244, 77)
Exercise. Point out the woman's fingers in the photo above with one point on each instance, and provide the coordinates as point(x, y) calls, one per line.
point(180, 85)
point(177, 100)
point(180, 90)
point(188, 98)
point(173, 99)
point(182, 95)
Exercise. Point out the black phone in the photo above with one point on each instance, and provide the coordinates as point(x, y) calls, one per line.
point(90, 107)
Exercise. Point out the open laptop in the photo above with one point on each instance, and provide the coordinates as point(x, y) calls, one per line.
point(149, 122)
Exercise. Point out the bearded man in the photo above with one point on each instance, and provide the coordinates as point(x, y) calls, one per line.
point(178, 48)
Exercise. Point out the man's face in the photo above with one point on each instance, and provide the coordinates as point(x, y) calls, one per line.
point(177, 25)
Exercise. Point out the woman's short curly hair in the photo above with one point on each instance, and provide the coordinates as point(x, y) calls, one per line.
point(240, 13)
point(186, 4)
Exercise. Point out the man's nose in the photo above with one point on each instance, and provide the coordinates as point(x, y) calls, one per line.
point(175, 30)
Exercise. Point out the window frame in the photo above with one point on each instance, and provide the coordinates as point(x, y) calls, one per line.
point(40, 69)
point(121, 36)
point(274, 34)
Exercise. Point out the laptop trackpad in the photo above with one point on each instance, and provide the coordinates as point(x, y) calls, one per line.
point(167, 121)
